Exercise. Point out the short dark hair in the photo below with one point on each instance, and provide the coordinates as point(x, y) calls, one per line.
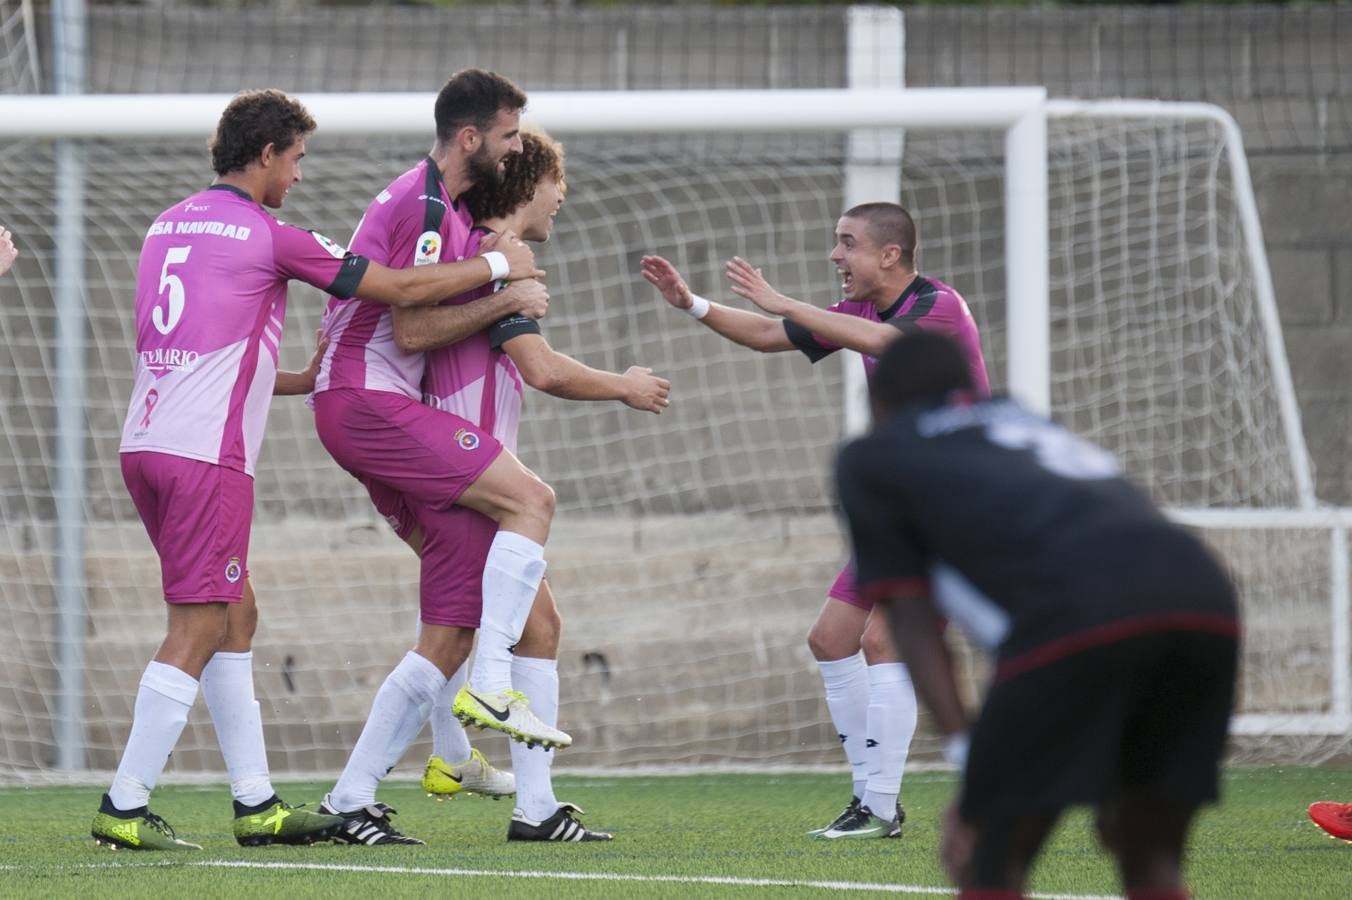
point(540, 157)
point(888, 223)
point(251, 121)
point(918, 365)
point(474, 97)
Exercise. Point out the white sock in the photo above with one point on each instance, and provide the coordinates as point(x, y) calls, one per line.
point(228, 688)
point(162, 703)
point(891, 725)
point(449, 740)
point(847, 697)
point(539, 680)
point(397, 715)
point(512, 575)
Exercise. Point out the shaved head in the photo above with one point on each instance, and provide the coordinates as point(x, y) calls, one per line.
point(888, 223)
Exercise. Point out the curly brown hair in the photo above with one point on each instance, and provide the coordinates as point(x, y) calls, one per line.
point(251, 121)
point(540, 156)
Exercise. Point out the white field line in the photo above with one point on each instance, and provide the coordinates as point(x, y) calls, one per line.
point(854, 886)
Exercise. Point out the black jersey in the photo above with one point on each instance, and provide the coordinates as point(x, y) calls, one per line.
point(1024, 534)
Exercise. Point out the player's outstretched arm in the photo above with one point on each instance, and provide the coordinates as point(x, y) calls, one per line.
point(290, 384)
point(746, 328)
point(8, 252)
point(425, 285)
point(851, 332)
point(424, 328)
point(548, 370)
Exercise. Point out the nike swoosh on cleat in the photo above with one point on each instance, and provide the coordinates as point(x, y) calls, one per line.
point(500, 716)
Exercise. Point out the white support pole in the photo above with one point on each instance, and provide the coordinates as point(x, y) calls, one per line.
point(112, 116)
point(875, 58)
point(1027, 272)
point(1341, 621)
point(68, 479)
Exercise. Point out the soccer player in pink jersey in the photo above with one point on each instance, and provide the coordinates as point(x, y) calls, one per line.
point(869, 695)
point(210, 307)
point(370, 416)
point(481, 379)
point(8, 252)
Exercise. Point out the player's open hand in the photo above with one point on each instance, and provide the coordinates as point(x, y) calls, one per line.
point(747, 281)
point(8, 252)
point(530, 298)
point(520, 258)
point(663, 276)
point(646, 391)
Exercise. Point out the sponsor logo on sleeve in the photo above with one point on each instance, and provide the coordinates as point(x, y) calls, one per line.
point(428, 250)
point(337, 251)
point(467, 439)
point(234, 570)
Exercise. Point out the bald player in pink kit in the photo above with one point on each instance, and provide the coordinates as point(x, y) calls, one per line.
point(869, 695)
point(210, 308)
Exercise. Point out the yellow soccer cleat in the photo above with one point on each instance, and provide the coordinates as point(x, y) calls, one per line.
point(474, 776)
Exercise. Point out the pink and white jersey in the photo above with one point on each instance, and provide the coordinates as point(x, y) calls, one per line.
point(927, 304)
point(412, 222)
point(473, 378)
point(210, 306)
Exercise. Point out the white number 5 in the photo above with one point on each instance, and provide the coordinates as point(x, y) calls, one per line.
point(165, 323)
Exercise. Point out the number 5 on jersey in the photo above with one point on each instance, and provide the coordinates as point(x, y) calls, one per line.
point(165, 323)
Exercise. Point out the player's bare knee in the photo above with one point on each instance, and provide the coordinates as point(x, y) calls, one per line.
point(539, 499)
point(877, 646)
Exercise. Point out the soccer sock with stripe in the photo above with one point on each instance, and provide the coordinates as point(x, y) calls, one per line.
point(512, 576)
point(228, 688)
point(539, 680)
point(401, 707)
point(892, 714)
point(162, 703)
point(847, 697)
point(449, 740)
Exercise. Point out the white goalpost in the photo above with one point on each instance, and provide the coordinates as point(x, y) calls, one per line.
point(1111, 253)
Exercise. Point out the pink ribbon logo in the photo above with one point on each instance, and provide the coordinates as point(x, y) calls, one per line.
point(151, 399)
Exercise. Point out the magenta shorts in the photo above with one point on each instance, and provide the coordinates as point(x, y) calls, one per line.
point(846, 589)
point(415, 462)
point(197, 515)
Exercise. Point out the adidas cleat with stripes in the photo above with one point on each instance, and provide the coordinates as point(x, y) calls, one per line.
point(509, 712)
point(369, 826)
point(278, 822)
point(562, 826)
point(134, 829)
point(474, 776)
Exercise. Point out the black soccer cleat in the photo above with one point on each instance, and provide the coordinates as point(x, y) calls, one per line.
point(562, 826)
point(369, 826)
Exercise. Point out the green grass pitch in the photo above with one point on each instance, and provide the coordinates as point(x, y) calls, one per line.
point(717, 836)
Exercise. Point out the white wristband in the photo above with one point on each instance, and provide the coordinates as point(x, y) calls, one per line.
point(699, 307)
point(497, 264)
point(955, 750)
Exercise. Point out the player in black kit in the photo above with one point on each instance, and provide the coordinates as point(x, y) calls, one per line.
point(1114, 632)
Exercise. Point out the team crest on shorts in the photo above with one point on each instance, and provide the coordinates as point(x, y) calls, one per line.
point(233, 570)
point(467, 440)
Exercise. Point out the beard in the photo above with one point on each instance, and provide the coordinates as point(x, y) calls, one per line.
point(482, 168)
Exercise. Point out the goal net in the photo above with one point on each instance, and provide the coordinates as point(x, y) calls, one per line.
point(692, 550)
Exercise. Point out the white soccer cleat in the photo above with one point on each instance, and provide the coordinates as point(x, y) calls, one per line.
point(509, 712)
point(475, 776)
